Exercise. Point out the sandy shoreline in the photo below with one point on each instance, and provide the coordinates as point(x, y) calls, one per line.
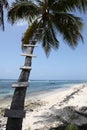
point(41, 109)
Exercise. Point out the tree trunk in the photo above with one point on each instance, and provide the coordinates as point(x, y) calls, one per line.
point(19, 96)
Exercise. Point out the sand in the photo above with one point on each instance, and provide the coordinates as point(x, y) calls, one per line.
point(44, 116)
point(41, 111)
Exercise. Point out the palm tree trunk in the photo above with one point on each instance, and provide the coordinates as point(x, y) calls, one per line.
point(19, 96)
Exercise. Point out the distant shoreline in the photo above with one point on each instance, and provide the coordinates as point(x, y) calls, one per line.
point(36, 86)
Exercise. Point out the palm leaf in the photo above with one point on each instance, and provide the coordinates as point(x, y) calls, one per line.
point(3, 4)
point(49, 38)
point(69, 26)
point(31, 31)
point(1, 16)
point(52, 16)
point(55, 42)
point(46, 46)
point(23, 9)
point(68, 5)
point(71, 127)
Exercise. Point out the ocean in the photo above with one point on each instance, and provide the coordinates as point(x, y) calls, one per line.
point(36, 86)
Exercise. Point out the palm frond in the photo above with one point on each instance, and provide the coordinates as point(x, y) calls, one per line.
point(71, 127)
point(23, 9)
point(69, 5)
point(51, 3)
point(3, 4)
point(52, 16)
point(55, 42)
point(69, 26)
point(45, 44)
point(1, 17)
point(31, 33)
point(49, 38)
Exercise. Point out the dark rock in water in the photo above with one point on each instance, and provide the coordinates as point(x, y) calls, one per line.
point(69, 115)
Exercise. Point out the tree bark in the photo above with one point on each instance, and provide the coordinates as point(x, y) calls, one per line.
point(19, 96)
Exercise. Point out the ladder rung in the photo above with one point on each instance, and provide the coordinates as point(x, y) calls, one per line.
point(20, 84)
point(13, 113)
point(29, 55)
point(30, 45)
point(26, 68)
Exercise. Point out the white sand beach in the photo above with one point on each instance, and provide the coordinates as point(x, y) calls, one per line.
point(43, 116)
point(41, 110)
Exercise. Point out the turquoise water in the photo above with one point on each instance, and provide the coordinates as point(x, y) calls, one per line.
point(36, 86)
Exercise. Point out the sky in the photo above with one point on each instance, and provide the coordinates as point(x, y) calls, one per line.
point(63, 64)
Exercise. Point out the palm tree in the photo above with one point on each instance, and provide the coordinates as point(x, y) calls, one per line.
point(46, 18)
point(3, 4)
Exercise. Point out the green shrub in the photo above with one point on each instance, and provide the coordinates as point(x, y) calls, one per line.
point(71, 127)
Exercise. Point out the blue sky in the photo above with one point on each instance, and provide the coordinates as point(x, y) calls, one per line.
point(62, 64)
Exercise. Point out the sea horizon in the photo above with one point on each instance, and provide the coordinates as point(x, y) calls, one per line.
point(36, 86)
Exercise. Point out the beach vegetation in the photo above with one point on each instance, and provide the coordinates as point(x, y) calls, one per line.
point(47, 20)
point(71, 127)
point(66, 127)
